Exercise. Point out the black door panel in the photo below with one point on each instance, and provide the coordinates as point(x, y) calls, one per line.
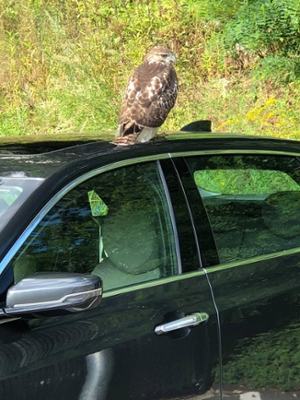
point(138, 363)
point(253, 204)
point(260, 323)
point(130, 226)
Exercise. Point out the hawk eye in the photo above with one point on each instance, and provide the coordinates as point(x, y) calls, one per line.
point(164, 55)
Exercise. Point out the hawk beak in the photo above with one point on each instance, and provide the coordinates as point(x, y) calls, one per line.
point(173, 58)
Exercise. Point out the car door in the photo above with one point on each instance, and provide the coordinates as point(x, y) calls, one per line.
point(252, 202)
point(155, 333)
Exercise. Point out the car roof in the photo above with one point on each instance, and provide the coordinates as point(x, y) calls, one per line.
point(42, 144)
point(41, 156)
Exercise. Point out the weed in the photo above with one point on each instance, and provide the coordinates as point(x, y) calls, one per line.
point(64, 67)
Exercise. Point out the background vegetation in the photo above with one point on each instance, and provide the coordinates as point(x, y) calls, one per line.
point(64, 64)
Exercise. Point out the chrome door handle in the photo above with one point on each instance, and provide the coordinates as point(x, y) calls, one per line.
point(186, 322)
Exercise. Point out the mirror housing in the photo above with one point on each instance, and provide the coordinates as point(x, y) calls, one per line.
point(53, 293)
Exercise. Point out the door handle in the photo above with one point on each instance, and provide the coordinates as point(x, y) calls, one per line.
point(185, 322)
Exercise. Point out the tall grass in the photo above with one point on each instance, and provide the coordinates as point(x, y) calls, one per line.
point(64, 66)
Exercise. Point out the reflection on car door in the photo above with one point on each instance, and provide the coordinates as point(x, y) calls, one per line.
point(253, 205)
point(113, 352)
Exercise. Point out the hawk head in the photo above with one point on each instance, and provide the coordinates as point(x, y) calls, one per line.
point(160, 54)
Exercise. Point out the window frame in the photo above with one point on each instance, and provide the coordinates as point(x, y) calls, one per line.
point(238, 152)
point(6, 262)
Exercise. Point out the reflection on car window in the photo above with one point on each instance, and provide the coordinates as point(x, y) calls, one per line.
point(253, 203)
point(241, 181)
point(8, 195)
point(116, 225)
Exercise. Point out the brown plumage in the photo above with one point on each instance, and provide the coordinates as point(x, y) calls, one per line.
point(150, 95)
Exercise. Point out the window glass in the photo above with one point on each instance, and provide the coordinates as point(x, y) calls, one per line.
point(8, 195)
point(250, 181)
point(14, 190)
point(116, 225)
point(253, 203)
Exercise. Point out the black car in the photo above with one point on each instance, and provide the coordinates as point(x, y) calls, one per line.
point(154, 271)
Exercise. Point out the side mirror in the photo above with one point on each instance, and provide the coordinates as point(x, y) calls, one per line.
point(51, 293)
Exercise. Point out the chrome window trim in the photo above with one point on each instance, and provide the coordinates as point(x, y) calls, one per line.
point(206, 271)
point(232, 152)
point(253, 260)
point(154, 283)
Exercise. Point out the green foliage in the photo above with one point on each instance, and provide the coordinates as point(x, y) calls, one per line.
point(64, 65)
point(269, 29)
point(220, 11)
point(278, 68)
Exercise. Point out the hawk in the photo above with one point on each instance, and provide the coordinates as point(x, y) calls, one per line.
point(150, 95)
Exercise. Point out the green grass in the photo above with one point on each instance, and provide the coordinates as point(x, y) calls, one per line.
point(64, 66)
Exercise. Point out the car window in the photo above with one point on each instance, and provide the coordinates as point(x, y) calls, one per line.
point(14, 190)
point(116, 225)
point(8, 195)
point(252, 202)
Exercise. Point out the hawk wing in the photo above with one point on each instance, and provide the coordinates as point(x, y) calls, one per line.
point(150, 95)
